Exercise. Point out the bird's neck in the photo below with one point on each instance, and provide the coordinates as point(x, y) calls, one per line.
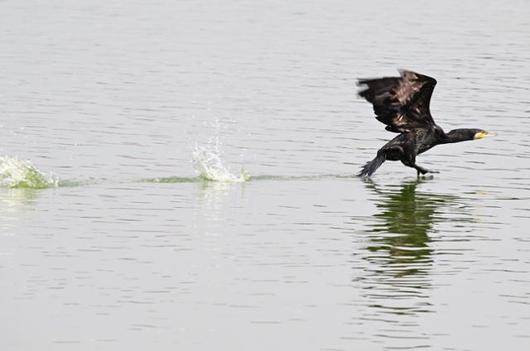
point(458, 135)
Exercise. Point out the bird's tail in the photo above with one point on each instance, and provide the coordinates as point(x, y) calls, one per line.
point(370, 167)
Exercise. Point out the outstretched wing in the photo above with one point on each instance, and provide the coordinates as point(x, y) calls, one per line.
point(402, 103)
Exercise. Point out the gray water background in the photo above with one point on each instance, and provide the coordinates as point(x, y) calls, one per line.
point(304, 256)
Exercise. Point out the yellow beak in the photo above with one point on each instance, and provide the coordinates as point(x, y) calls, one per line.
point(482, 134)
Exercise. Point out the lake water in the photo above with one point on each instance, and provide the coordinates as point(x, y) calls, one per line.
point(112, 239)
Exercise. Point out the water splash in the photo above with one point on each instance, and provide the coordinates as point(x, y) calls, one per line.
point(207, 162)
point(15, 173)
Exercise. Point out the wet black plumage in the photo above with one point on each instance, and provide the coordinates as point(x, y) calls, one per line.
point(402, 103)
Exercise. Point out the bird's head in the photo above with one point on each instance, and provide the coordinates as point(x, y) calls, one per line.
point(464, 134)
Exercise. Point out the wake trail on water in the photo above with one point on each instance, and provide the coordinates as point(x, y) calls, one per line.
point(251, 179)
point(210, 167)
point(207, 163)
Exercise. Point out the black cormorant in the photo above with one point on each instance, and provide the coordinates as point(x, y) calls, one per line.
point(402, 103)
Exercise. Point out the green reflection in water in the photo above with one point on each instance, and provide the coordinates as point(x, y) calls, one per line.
point(399, 251)
point(404, 219)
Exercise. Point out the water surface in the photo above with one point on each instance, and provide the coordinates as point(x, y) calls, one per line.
point(197, 165)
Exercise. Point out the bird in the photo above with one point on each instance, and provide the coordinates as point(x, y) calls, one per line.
point(402, 103)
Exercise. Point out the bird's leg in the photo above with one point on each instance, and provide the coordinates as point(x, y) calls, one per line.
point(420, 170)
point(411, 162)
point(423, 170)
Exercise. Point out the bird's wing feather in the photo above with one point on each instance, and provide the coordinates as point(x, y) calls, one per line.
point(402, 103)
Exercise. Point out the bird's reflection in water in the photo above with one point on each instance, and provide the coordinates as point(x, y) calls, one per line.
point(399, 253)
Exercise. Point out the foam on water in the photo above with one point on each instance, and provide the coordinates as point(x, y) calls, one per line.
point(15, 173)
point(208, 164)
